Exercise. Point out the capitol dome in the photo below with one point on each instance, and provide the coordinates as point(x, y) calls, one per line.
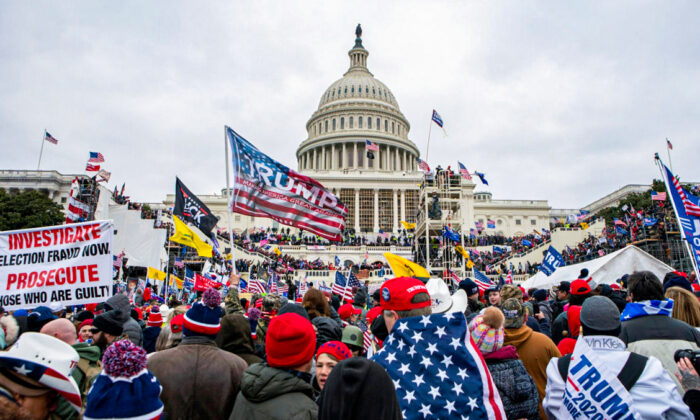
point(354, 109)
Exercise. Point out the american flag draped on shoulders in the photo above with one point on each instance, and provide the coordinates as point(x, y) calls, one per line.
point(436, 373)
point(265, 188)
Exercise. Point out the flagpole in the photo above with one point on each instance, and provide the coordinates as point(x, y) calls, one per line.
point(430, 128)
point(167, 267)
point(678, 220)
point(41, 151)
point(228, 210)
point(668, 152)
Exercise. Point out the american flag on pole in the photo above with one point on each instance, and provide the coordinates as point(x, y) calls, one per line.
point(48, 137)
point(668, 144)
point(658, 196)
point(463, 171)
point(437, 118)
point(179, 263)
point(256, 286)
point(340, 286)
point(264, 187)
point(423, 165)
point(77, 210)
point(437, 370)
point(96, 157)
point(92, 168)
point(691, 208)
point(509, 277)
point(372, 147)
point(481, 280)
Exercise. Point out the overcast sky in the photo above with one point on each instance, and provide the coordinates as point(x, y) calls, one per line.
point(564, 101)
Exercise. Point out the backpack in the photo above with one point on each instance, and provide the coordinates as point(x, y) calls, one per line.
point(628, 376)
point(89, 372)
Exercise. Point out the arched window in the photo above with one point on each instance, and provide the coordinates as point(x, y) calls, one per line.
point(366, 89)
point(352, 90)
point(379, 127)
point(342, 123)
point(346, 90)
point(359, 122)
point(319, 128)
point(392, 127)
point(374, 92)
point(369, 122)
point(338, 91)
point(326, 126)
point(350, 122)
point(380, 92)
point(386, 126)
point(333, 124)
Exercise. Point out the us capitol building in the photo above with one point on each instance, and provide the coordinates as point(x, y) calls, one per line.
point(379, 192)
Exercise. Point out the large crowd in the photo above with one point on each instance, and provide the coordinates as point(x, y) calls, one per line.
point(409, 349)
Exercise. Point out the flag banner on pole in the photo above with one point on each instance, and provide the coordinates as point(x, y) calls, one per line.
point(551, 262)
point(406, 268)
point(48, 137)
point(687, 210)
point(96, 157)
point(482, 280)
point(658, 196)
point(202, 283)
point(482, 177)
point(77, 211)
point(104, 175)
point(372, 147)
point(491, 224)
point(186, 236)
point(649, 221)
point(264, 187)
point(463, 171)
point(437, 118)
point(92, 168)
point(408, 226)
point(668, 144)
point(341, 288)
point(154, 274)
point(190, 208)
point(423, 165)
point(449, 234)
point(256, 286)
point(67, 264)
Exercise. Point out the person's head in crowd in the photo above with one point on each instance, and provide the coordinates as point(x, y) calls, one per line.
point(360, 298)
point(203, 318)
point(244, 302)
point(290, 342)
point(57, 309)
point(644, 285)
point(171, 335)
point(327, 329)
point(85, 330)
point(580, 290)
point(327, 356)
point(563, 290)
point(354, 339)
point(540, 295)
point(349, 313)
point(403, 297)
point(293, 307)
point(82, 316)
point(39, 317)
point(9, 331)
point(675, 280)
point(511, 291)
point(26, 391)
point(531, 291)
point(315, 303)
point(106, 327)
point(622, 281)
point(487, 330)
point(177, 310)
point(155, 318)
point(514, 313)
point(376, 299)
point(359, 388)
point(686, 307)
point(271, 304)
point(600, 316)
point(125, 389)
point(470, 288)
point(62, 329)
point(493, 296)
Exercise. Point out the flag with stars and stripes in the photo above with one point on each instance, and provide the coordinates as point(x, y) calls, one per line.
point(686, 206)
point(256, 286)
point(340, 287)
point(354, 282)
point(482, 280)
point(437, 371)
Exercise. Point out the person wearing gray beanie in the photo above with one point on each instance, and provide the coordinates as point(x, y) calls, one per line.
point(651, 392)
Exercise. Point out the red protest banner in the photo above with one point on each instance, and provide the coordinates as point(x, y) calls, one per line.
point(202, 283)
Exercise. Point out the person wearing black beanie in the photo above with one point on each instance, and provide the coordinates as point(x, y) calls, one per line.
point(358, 388)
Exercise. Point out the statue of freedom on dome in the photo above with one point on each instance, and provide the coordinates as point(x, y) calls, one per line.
point(358, 31)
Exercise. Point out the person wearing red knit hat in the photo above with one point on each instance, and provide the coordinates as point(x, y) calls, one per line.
point(281, 387)
point(327, 356)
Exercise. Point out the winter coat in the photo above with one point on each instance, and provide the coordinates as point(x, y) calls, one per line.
point(327, 329)
point(535, 350)
point(131, 327)
point(546, 309)
point(654, 395)
point(660, 336)
point(234, 337)
point(199, 380)
point(150, 336)
point(232, 302)
point(270, 393)
point(516, 387)
point(560, 324)
point(84, 373)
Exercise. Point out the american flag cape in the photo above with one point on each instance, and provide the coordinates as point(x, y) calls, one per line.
point(264, 187)
point(437, 371)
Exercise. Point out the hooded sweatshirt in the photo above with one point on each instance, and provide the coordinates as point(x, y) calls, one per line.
point(131, 327)
point(235, 338)
point(535, 350)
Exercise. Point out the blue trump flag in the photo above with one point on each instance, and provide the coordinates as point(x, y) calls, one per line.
point(687, 209)
point(498, 250)
point(482, 177)
point(551, 262)
point(650, 221)
point(526, 242)
point(447, 233)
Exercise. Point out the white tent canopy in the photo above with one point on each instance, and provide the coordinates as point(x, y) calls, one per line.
point(604, 270)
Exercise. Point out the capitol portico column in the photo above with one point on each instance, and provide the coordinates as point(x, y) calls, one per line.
point(403, 205)
point(357, 210)
point(366, 161)
point(354, 156)
point(395, 212)
point(313, 163)
point(376, 210)
point(403, 159)
point(333, 157)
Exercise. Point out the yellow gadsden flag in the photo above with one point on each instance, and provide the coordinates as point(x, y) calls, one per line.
point(277, 251)
point(408, 226)
point(154, 274)
point(462, 251)
point(405, 268)
point(175, 281)
point(584, 225)
point(185, 236)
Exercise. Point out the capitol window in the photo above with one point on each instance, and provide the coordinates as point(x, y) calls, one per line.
point(342, 123)
point(346, 90)
point(499, 222)
point(369, 122)
point(326, 126)
point(352, 90)
point(533, 222)
point(359, 122)
point(518, 222)
point(351, 122)
point(386, 126)
point(392, 127)
point(333, 124)
point(378, 125)
point(366, 89)
point(374, 92)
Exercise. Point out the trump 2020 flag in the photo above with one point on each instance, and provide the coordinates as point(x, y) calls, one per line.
point(265, 188)
point(437, 371)
point(551, 262)
point(687, 209)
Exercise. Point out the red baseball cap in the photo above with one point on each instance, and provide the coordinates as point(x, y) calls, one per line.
point(373, 313)
point(396, 294)
point(580, 287)
point(347, 310)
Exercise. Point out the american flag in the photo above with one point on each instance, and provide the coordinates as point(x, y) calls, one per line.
point(92, 168)
point(179, 263)
point(302, 287)
point(658, 196)
point(479, 225)
point(48, 137)
point(266, 188)
point(274, 289)
point(463, 171)
point(284, 288)
point(668, 144)
point(431, 353)
point(256, 286)
point(339, 286)
point(691, 208)
point(481, 280)
point(322, 287)
point(437, 118)
point(509, 277)
point(354, 282)
point(455, 278)
point(77, 210)
point(423, 165)
point(372, 147)
point(96, 157)
point(118, 259)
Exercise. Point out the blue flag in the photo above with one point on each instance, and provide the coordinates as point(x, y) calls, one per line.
point(448, 234)
point(620, 231)
point(526, 242)
point(551, 262)
point(498, 250)
point(337, 261)
point(687, 210)
point(482, 177)
point(650, 221)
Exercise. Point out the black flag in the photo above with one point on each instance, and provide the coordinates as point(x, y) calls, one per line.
point(191, 208)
